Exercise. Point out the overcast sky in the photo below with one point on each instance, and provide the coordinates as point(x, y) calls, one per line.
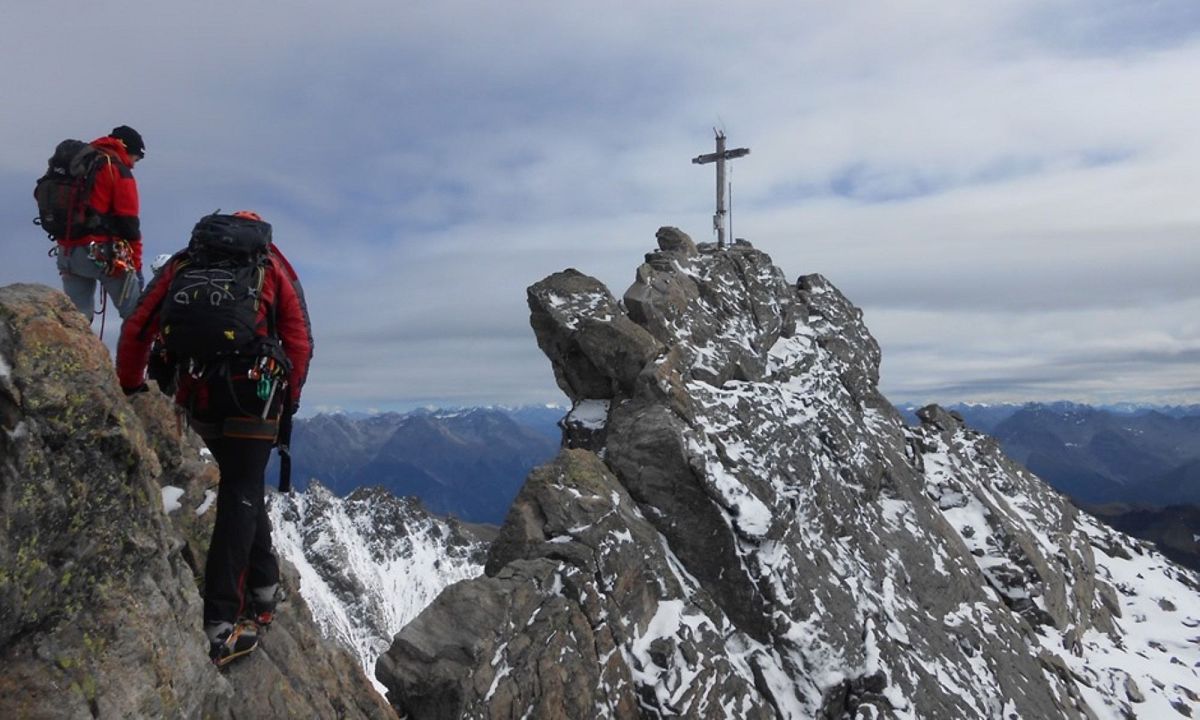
point(1009, 189)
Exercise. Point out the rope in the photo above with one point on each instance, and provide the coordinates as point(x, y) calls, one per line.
point(103, 309)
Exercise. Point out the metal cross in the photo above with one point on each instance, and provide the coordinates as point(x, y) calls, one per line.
point(719, 157)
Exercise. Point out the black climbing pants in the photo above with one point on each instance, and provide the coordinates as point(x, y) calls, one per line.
point(228, 415)
point(240, 555)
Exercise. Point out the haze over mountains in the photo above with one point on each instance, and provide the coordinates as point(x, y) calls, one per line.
point(466, 463)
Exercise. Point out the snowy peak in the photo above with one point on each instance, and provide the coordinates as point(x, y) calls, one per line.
point(370, 562)
point(746, 528)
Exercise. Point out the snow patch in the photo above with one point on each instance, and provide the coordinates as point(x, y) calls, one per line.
point(19, 432)
point(589, 414)
point(170, 498)
point(210, 496)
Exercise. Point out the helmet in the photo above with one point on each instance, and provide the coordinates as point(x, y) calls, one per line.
point(248, 215)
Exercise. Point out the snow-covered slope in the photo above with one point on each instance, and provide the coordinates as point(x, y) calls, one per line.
point(752, 531)
point(1141, 653)
point(370, 562)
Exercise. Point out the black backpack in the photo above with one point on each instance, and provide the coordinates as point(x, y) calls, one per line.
point(62, 193)
point(210, 311)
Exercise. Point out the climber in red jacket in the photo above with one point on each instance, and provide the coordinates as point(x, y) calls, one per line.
point(230, 316)
point(112, 255)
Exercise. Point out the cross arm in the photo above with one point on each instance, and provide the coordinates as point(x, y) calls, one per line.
point(727, 155)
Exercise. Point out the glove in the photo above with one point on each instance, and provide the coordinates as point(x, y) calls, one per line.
point(161, 369)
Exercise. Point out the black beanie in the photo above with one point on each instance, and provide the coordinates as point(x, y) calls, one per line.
point(131, 138)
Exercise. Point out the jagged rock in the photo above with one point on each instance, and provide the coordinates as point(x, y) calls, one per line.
point(586, 425)
point(596, 351)
point(940, 419)
point(1133, 692)
point(584, 647)
point(722, 311)
point(760, 535)
point(100, 615)
point(189, 476)
point(299, 672)
point(674, 240)
point(1049, 584)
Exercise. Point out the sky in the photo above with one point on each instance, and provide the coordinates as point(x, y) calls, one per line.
point(1007, 189)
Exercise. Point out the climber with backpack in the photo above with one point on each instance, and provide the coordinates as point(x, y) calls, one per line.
point(88, 205)
point(229, 314)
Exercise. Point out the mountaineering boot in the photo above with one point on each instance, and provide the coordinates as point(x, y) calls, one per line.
point(227, 642)
point(261, 603)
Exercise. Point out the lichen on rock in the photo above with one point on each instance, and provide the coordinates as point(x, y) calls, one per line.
point(100, 614)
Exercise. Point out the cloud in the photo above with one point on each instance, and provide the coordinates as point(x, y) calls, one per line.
point(985, 181)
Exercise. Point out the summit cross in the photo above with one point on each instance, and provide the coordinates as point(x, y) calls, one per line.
point(719, 157)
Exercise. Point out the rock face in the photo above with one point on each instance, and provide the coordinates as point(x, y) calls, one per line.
point(100, 615)
point(751, 531)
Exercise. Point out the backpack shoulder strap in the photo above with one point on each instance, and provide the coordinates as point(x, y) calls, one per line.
point(92, 171)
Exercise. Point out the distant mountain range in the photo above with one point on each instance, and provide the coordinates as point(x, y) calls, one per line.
point(1120, 453)
point(470, 463)
point(466, 463)
point(986, 416)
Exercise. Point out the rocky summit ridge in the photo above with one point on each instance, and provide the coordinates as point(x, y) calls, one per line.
point(105, 510)
point(741, 526)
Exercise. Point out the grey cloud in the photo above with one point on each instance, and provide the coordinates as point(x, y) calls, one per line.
point(423, 164)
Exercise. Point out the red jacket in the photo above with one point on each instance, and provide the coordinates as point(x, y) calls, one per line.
point(115, 196)
point(281, 291)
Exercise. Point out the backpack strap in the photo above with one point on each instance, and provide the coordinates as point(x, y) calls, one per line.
point(81, 195)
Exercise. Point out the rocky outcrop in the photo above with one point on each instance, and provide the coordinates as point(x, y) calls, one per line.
point(103, 516)
point(752, 531)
